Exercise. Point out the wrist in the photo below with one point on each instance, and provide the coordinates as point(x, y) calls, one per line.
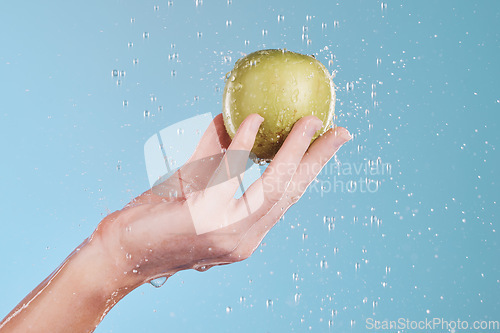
point(111, 268)
point(127, 248)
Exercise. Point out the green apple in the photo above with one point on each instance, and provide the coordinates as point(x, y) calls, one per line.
point(282, 86)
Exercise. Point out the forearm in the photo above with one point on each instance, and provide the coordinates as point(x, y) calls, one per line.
point(74, 298)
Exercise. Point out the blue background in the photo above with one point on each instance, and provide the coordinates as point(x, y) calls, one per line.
point(417, 86)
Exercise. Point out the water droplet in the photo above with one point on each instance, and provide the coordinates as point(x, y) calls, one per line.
point(269, 303)
point(247, 42)
point(295, 276)
point(160, 108)
point(173, 73)
point(356, 266)
point(379, 61)
point(145, 35)
point(228, 309)
point(351, 186)
point(146, 113)
point(135, 61)
point(130, 44)
point(264, 32)
point(331, 226)
point(132, 20)
point(199, 34)
point(237, 87)
point(262, 162)
point(128, 256)
point(281, 18)
point(170, 3)
point(336, 24)
point(203, 268)
point(157, 283)
point(229, 23)
point(125, 103)
point(308, 17)
point(114, 73)
point(297, 298)
point(323, 264)
point(349, 86)
point(156, 8)
point(387, 269)
point(180, 131)
point(335, 250)
point(323, 26)
point(198, 3)
point(242, 299)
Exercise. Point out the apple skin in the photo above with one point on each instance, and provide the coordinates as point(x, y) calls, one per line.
point(281, 86)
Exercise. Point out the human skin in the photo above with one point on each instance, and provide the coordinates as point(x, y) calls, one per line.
point(154, 235)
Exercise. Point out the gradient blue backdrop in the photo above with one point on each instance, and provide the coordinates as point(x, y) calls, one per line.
point(417, 86)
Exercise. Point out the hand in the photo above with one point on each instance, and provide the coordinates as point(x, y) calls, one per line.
point(186, 223)
point(191, 220)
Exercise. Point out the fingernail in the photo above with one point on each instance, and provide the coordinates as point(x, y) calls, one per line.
point(256, 123)
point(313, 126)
point(344, 135)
